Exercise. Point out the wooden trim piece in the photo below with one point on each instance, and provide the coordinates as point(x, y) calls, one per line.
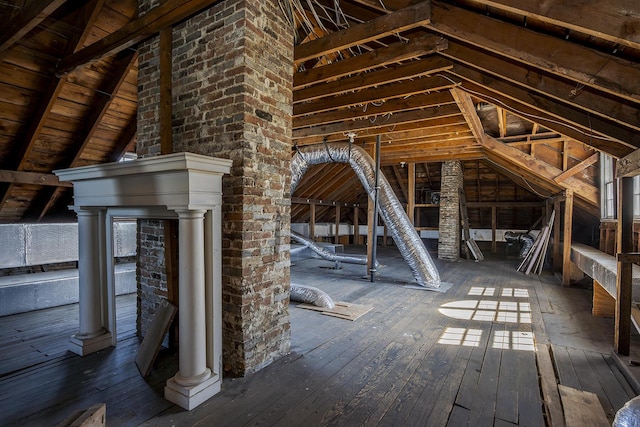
point(402, 20)
point(167, 14)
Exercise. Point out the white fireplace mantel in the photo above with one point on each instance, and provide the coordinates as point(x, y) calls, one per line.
point(185, 186)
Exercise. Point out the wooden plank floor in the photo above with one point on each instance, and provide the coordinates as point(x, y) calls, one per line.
point(461, 357)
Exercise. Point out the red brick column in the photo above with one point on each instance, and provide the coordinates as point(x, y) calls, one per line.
point(232, 98)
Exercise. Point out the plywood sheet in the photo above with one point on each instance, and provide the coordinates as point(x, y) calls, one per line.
point(343, 310)
point(582, 408)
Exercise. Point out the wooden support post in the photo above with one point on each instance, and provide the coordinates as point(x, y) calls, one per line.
point(356, 226)
point(622, 338)
point(312, 221)
point(557, 263)
point(411, 193)
point(624, 238)
point(336, 237)
point(370, 225)
point(494, 223)
point(625, 266)
point(566, 249)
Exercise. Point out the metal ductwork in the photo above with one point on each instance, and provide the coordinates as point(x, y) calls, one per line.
point(311, 295)
point(525, 240)
point(393, 215)
point(326, 254)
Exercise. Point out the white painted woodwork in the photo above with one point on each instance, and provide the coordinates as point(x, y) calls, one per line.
point(185, 185)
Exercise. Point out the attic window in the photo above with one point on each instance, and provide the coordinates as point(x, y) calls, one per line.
point(608, 190)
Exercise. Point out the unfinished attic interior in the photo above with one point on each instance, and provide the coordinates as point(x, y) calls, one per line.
point(286, 212)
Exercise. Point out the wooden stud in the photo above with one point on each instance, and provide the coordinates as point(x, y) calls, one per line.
point(411, 192)
point(566, 250)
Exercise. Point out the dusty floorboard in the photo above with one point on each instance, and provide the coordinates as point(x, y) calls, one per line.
point(418, 358)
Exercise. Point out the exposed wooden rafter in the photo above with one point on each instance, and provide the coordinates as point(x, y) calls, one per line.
point(33, 13)
point(402, 20)
point(167, 14)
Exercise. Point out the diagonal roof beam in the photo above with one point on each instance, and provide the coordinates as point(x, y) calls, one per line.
point(121, 66)
point(545, 171)
point(24, 142)
point(588, 99)
point(31, 15)
point(591, 160)
point(402, 20)
point(465, 104)
point(126, 140)
point(557, 56)
point(167, 14)
point(610, 21)
point(562, 119)
point(380, 57)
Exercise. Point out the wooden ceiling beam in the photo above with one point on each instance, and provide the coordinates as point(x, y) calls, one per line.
point(402, 20)
point(422, 101)
point(465, 104)
point(366, 125)
point(431, 155)
point(591, 160)
point(628, 165)
point(373, 95)
point(562, 119)
point(613, 21)
point(543, 170)
point(557, 56)
point(32, 14)
point(391, 74)
point(586, 98)
point(396, 52)
point(126, 141)
point(24, 142)
point(120, 69)
point(165, 15)
point(21, 177)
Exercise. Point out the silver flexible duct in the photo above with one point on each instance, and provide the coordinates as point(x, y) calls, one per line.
point(394, 216)
point(326, 254)
point(526, 241)
point(311, 295)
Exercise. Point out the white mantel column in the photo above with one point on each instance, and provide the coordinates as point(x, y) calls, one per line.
point(194, 382)
point(92, 336)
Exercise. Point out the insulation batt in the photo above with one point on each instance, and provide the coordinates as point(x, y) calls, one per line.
point(311, 295)
point(404, 234)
